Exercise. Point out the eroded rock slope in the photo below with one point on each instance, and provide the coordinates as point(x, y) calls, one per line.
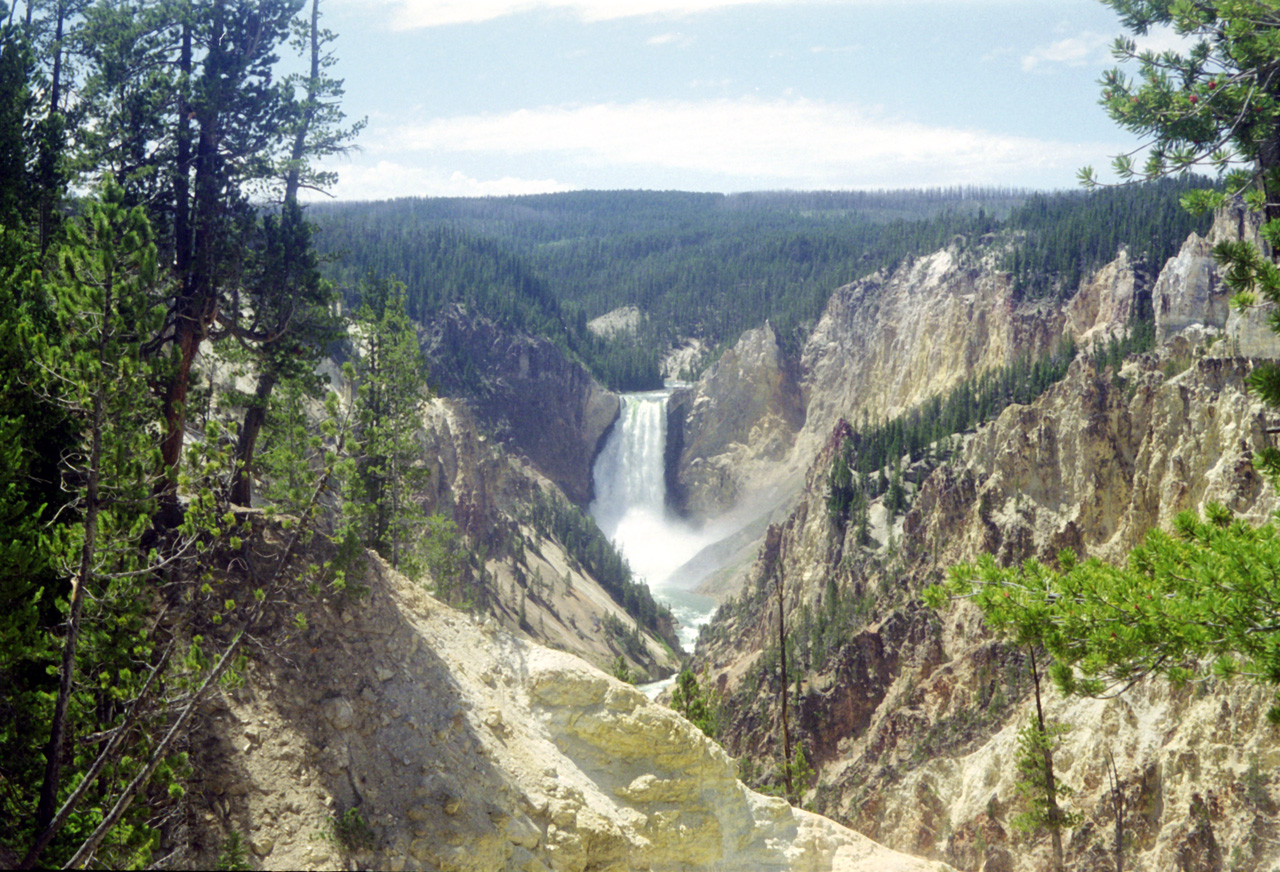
point(459, 747)
point(526, 393)
point(911, 716)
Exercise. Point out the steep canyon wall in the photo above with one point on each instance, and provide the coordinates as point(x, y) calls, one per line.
point(911, 716)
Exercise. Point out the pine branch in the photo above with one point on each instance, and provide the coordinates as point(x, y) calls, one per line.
point(106, 755)
point(84, 855)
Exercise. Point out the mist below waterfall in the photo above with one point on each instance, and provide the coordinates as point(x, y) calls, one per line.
point(630, 508)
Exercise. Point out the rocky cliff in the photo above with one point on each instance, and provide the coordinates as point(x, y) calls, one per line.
point(396, 733)
point(883, 345)
point(888, 342)
point(911, 716)
point(742, 415)
point(526, 393)
point(1192, 296)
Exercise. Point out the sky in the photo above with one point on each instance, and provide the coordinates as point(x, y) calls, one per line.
point(496, 97)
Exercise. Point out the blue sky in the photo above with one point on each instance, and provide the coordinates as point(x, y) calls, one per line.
point(479, 97)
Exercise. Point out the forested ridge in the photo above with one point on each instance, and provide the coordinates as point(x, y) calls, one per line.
point(710, 266)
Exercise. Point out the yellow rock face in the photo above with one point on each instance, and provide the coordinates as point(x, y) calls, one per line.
point(585, 772)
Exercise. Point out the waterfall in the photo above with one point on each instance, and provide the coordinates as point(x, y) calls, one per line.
point(629, 471)
point(630, 508)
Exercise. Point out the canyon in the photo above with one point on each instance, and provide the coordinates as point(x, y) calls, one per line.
point(910, 716)
point(464, 741)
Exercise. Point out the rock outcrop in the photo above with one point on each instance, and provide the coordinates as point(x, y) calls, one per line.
point(626, 319)
point(1099, 462)
point(1191, 294)
point(742, 415)
point(882, 346)
point(1103, 307)
point(527, 393)
point(400, 734)
point(1189, 291)
point(888, 342)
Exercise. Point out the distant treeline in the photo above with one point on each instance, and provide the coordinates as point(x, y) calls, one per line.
point(1064, 237)
point(714, 265)
point(442, 266)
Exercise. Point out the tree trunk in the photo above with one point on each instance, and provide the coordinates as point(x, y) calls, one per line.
point(182, 170)
point(294, 177)
point(786, 732)
point(196, 306)
point(174, 412)
point(88, 550)
point(51, 150)
point(1050, 783)
point(1117, 802)
point(254, 416)
point(242, 482)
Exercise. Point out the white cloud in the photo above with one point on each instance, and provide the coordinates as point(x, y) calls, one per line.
point(1085, 49)
point(678, 39)
point(1094, 49)
point(1163, 38)
point(744, 143)
point(386, 179)
point(415, 14)
point(412, 14)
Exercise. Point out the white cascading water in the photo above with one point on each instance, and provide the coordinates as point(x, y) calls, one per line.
point(630, 508)
point(629, 471)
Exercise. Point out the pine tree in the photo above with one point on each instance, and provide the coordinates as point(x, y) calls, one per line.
point(1038, 783)
point(896, 498)
point(291, 328)
point(180, 102)
point(689, 700)
point(391, 386)
point(106, 302)
point(443, 556)
point(291, 318)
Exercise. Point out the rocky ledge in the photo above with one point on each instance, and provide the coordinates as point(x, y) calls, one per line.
point(458, 747)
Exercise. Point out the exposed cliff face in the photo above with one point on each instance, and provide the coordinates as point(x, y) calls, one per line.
point(1100, 461)
point(912, 716)
point(463, 748)
point(488, 493)
point(526, 393)
point(1105, 302)
point(626, 319)
point(742, 415)
point(883, 345)
point(888, 342)
point(1191, 293)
